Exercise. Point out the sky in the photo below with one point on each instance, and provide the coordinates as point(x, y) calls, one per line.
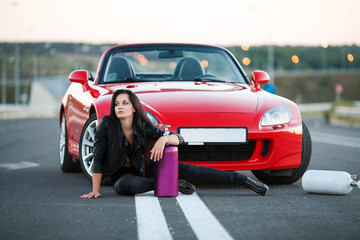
point(225, 22)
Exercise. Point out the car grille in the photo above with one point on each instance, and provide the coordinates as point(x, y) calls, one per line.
point(216, 152)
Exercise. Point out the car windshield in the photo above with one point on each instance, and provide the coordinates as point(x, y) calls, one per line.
point(171, 63)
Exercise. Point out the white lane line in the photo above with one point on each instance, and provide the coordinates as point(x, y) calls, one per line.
point(335, 139)
point(201, 220)
point(151, 223)
point(20, 165)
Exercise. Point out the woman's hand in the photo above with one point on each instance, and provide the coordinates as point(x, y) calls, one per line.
point(91, 195)
point(96, 178)
point(158, 149)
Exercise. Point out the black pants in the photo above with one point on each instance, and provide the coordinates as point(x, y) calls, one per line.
point(130, 184)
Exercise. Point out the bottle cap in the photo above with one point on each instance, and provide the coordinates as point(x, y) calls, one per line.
point(166, 129)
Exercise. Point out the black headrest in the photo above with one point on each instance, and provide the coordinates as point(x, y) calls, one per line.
point(120, 69)
point(188, 68)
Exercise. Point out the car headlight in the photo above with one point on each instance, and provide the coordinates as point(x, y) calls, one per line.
point(152, 118)
point(276, 115)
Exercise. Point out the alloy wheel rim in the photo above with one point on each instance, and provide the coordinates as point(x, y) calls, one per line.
point(87, 147)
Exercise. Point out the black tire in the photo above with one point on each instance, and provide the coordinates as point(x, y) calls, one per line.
point(67, 164)
point(86, 145)
point(297, 172)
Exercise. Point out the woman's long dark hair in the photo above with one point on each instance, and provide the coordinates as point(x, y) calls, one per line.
point(140, 121)
point(139, 116)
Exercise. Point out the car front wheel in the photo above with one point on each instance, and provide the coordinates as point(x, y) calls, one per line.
point(87, 139)
point(297, 173)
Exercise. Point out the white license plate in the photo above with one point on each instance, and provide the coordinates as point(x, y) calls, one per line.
point(201, 136)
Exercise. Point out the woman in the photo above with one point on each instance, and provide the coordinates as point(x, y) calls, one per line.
point(120, 149)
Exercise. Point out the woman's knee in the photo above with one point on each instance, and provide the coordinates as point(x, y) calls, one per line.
point(123, 185)
point(130, 184)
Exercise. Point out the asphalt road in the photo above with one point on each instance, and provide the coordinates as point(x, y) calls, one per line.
point(38, 201)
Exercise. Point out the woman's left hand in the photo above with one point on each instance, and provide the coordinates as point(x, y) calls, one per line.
point(158, 149)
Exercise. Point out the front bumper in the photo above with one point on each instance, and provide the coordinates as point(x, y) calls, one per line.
point(268, 148)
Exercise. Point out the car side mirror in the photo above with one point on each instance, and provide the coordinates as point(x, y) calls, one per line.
point(82, 77)
point(259, 77)
point(79, 76)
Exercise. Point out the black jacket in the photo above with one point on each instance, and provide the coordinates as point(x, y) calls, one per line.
point(107, 163)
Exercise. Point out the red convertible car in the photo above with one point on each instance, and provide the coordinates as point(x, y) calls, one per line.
point(202, 92)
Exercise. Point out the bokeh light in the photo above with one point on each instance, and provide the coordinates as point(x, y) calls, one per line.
point(350, 57)
point(204, 63)
point(245, 47)
point(295, 59)
point(172, 65)
point(246, 61)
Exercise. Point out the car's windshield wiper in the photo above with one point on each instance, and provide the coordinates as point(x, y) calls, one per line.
point(133, 79)
point(128, 79)
point(208, 78)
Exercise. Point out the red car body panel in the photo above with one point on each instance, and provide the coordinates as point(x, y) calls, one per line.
point(197, 104)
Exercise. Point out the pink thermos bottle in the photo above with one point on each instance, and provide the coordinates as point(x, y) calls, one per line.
point(166, 171)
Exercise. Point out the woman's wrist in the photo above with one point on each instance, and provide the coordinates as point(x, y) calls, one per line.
point(172, 139)
point(166, 140)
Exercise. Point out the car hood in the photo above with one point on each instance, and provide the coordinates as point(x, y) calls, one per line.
point(200, 97)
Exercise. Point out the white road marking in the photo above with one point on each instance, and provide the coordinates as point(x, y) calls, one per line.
point(151, 222)
point(335, 139)
point(201, 220)
point(20, 165)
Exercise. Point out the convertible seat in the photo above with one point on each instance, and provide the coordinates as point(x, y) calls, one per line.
point(188, 69)
point(120, 69)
